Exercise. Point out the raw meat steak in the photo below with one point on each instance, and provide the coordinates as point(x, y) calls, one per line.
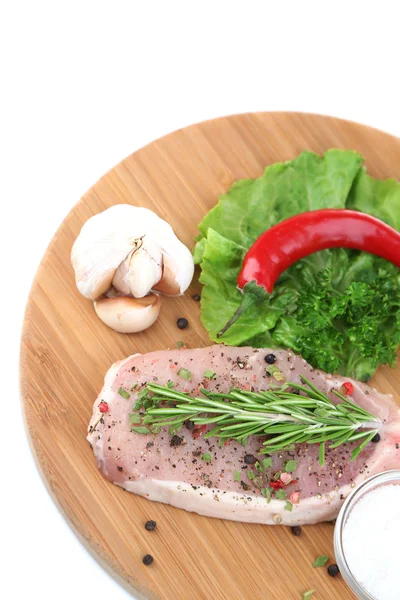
point(171, 471)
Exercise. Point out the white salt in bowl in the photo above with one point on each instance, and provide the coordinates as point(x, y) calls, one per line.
point(366, 542)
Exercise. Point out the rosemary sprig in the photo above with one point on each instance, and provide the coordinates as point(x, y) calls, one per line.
point(285, 417)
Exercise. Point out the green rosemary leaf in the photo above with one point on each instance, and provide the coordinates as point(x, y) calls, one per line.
point(250, 474)
point(170, 384)
point(361, 446)
point(307, 595)
point(321, 454)
point(237, 476)
point(143, 430)
point(284, 417)
point(124, 393)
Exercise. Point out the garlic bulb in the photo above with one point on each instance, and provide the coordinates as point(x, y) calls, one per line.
point(123, 254)
point(107, 239)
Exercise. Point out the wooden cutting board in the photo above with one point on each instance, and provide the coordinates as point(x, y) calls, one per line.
point(66, 351)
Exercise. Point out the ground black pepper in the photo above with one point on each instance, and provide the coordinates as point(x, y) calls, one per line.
point(147, 560)
point(150, 525)
point(182, 323)
point(119, 469)
point(176, 441)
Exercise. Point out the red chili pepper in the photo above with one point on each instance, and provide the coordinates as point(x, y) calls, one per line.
point(297, 237)
point(103, 407)
point(348, 388)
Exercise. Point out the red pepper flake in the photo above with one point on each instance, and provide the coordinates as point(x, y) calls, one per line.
point(227, 442)
point(277, 485)
point(294, 497)
point(347, 388)
point(198, 431)
point(103, 407)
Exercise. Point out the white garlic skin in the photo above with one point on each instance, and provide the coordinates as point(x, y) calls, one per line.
point(107, 239)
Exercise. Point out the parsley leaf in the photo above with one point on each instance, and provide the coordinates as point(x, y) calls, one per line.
point(185, 373)
point(209, 374)
point(320, 561)
point(290, 466)
point(206, 457)
point(266, 492)
point(266, 463)
point(281, 494)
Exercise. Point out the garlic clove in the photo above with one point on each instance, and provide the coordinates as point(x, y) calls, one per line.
point(141, 269)
point(168, 284)
point(178, 271)
point(128, 315)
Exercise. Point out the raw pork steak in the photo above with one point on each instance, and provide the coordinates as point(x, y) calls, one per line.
point(171, 471)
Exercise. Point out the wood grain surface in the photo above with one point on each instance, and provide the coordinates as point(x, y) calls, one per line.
point(66, 351)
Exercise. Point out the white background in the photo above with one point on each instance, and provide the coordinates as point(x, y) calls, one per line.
point(83, 84)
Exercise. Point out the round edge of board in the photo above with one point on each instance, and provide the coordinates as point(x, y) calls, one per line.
point(143, 592)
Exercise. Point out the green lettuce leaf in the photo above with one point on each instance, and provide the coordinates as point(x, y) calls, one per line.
point(321, 306)
point(308, 182)
point(378, 198)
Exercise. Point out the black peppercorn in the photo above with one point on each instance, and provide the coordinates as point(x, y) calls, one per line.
point(196, 297)
point(250, 459)
point(296, 530)
point(189, 425)
point(147, 560)
point(150, 525)
point(119, 469)
point(182, 323)
point(376, 438)
point(270, 359)
point(333, 570)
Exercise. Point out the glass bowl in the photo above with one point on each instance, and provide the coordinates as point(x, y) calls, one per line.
point(388, 477)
